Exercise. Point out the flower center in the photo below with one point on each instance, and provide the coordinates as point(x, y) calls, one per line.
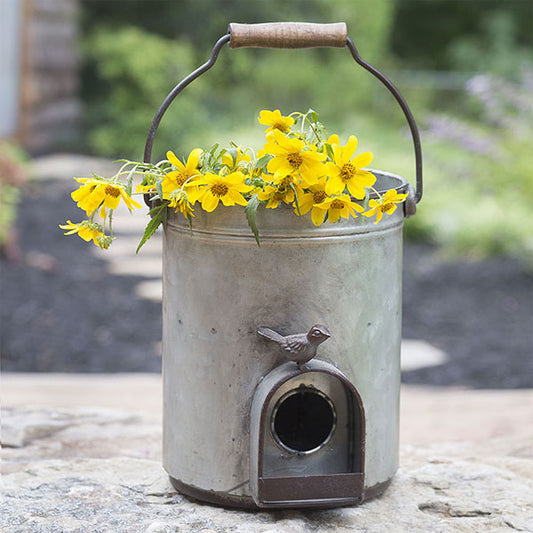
point(385, 207)
point(112, 191)
point(294, 159)
point(280, 126)
point(337, 204)
point(219, 189)
point(181, 179)
point(319, 197)
point(347, 171)
point(279, 195)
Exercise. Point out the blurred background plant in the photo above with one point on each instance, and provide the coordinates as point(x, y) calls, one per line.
point(134, 58)
point(12, 178)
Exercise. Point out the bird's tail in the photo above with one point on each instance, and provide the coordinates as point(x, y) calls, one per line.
point(269, 334)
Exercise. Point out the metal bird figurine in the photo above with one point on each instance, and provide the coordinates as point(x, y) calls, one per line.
point(301, 347)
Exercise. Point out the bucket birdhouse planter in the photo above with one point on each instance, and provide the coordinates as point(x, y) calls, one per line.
point(281, 362)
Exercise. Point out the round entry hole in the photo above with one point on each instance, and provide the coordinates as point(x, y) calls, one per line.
point(303, 420)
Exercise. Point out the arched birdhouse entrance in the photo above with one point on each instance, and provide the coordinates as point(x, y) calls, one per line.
point(307, 438)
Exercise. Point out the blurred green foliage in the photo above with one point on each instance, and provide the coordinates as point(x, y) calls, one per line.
point(138, 68)
point(480, 182)
point(476, 145)
point(426, 32)
point(136, 55)
point(12, 176)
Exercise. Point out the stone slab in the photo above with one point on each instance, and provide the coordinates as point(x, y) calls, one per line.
point(98, 470)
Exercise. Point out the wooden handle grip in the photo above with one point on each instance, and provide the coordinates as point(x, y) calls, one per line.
point(287, 35)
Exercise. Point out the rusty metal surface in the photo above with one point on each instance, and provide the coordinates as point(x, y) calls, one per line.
point(246, 502)
point(338, 489)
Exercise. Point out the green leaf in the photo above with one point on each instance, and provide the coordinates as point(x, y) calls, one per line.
point(153, 212)
point(251, 212)
point(233, 153)
point(312, 115)
point(295, 198)
point(159, 212)
point(129, 180)
point(329, 150)
point(262, 162)
point(298, 118)
point(159, 188)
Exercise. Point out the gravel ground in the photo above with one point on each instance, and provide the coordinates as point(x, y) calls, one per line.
point(61, 311)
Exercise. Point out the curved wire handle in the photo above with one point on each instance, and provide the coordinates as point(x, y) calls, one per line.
point(410, 208)
point(181, 85)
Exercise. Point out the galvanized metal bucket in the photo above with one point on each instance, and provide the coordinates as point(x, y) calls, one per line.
point(242, 426)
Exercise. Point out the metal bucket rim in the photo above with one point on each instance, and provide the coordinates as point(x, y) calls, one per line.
point(402, 187)
point(230, 222)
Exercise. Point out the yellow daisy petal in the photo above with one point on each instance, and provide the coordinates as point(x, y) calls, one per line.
point(209, 201)
point(317, 216)
point(349, 149)
point(175, 161)
point(363, 160)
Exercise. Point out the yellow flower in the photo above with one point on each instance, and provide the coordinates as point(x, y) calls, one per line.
point(345, 171)
point(86, 230)
point(311, 200)
point(333, 139)
point(275, 121)
point(384, 204)
point(285, 181)
point(185, 173)
point(231, 163)
point(291, 156)
point(148, 184)
point(226, 189)
point(96, 192)
point(280, 192)
point(149, 187)
point(181, 202)
point(340, 206)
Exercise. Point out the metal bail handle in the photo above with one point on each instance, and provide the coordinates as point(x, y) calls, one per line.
point(295, 35)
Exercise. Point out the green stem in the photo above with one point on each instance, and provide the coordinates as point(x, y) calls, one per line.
point(312, 128)
point(377, 192)
point(187, 181)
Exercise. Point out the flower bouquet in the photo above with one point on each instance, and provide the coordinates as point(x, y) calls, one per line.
point(299, 166)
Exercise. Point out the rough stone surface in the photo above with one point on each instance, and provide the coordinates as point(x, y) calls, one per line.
point(98, 470)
